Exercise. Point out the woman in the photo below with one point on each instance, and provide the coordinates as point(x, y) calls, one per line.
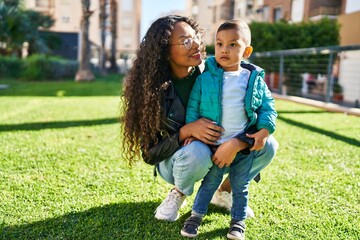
point(156, 92)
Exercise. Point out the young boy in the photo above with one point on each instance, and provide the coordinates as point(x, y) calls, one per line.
point(233, 94)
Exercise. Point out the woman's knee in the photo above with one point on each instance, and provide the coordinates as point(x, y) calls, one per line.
point(197, 156)
point(198, 152)
point(271, 147)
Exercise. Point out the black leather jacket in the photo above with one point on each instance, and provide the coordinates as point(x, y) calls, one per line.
point(173, 119)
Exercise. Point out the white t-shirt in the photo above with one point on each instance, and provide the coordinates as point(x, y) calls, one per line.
point(234, 119)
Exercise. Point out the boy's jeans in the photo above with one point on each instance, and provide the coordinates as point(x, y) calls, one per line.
point(242, 170)
point(186, 166)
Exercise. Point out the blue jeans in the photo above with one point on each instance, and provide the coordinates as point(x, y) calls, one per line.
point(186, 166)
point(241, 171)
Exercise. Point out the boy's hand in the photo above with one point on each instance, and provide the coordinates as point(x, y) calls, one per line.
point(226, 152)
point(260, 138)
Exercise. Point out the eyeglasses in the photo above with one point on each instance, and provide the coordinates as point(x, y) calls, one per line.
point(188, 42)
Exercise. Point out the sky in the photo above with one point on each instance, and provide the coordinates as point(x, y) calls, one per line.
point(153, 9)
point(352, 6)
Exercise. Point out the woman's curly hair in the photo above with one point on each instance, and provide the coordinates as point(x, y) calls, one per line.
point(144, 86)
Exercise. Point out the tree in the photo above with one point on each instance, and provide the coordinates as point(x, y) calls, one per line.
point(84, 72)
point(102, 21)
point(18, 26)
point(32, 21)
point(113, 22)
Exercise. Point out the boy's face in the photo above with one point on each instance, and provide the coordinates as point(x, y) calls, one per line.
point(230, 48)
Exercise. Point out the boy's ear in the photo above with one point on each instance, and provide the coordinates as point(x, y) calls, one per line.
point(248, 51)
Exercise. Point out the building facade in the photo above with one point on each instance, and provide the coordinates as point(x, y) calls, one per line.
point(67, 15)
point(210, 13)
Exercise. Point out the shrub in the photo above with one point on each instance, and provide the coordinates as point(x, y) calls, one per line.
point(41, 67)
point(210, 50)
point(282, 35)
point(10, 67)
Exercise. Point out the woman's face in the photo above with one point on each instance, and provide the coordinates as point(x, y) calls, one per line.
point(182, 59)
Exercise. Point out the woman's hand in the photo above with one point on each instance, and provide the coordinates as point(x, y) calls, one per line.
point(188, 141)
point(203, 130)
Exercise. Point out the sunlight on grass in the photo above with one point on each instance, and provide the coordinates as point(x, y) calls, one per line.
point(62, 175)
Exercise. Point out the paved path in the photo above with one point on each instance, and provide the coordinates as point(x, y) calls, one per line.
point(331, 107)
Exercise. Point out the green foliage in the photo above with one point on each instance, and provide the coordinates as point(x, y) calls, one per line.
point(41, 67)
point(337, 88)
point(10, 67)
point(19, 25)
point(282, 35)
point(210, 50)
point(51, 40)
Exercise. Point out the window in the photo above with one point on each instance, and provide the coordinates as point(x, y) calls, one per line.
point(265, 13)
point(127, 23)
point(277, 14)
point(42, 3)
point(127, 6)
point(297, 10)
point(65, 19)
point(195, 10)
point(126, 41)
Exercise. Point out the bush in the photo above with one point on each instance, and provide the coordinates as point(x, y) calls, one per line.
point(210, 50)
point(10, 67)
point(282, 35)
point(41, 67)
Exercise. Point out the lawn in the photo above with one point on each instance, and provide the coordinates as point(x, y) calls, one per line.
point(62, 175)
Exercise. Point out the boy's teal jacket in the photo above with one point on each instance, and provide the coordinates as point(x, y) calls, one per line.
point(205, 97)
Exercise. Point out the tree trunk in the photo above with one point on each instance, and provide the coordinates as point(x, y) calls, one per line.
point(84, 72)
point(102, 53)
point(113, 22)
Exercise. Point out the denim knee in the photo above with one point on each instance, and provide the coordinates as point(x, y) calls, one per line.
point(271, 147)
point(191, 164)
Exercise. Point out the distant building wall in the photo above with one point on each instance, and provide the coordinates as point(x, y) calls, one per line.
point(350, 28)
point(278, 9)
point(349, 75)
point(67, 15)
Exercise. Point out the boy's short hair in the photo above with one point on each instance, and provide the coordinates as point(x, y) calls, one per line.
point(239, 25)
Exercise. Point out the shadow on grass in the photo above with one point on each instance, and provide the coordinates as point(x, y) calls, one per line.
point(56, 124)
point(115, 221)
point(302, 111)
point(348, 140)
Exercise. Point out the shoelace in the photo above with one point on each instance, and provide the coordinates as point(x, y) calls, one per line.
point(171, 198)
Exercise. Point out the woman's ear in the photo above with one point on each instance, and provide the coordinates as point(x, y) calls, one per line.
point(248, 51)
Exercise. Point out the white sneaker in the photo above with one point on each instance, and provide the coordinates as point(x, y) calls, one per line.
point(224, 199)
point(168, 210)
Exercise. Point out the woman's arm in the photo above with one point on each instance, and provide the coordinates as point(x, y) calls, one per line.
point(203, 129)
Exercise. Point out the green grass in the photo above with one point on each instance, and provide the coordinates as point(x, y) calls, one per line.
point(103, 86)
point(62, 176)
